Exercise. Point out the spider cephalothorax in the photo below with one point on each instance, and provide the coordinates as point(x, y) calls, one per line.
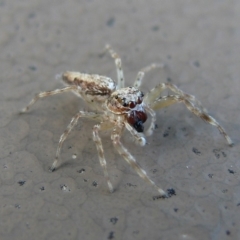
point(118, 107)
point(129, 102)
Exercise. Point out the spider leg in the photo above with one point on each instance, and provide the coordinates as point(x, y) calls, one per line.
point(131, 160)
point(155, 93)
point(152, 125)
point(138, 136)
point(198, 111)
point(46, 94)
point(141, 73)
point(98, 142)
point(118, 63)
point(69, 128)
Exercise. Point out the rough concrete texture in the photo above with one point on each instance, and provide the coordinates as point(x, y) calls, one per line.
point(199, 43)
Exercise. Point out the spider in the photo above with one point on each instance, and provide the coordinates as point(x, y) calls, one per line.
point(117, 107)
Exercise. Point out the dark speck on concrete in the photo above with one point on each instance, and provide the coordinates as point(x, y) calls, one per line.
point(196, 64)
point(154, 170)
point(131, 185)
point(94, 183)
point(218, 152)
point(21, 183)
point(231, 171)
point(210, 175)
point(113, 220)
point(196, 151)
point(155, 28)
point(171, 192)
point(82, 170)
point(110, 21)
point(33, 68)
point(17, 206)
point(224, 154)
point(166, 132)
point(111, 235)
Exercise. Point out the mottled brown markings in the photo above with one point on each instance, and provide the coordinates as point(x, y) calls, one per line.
point(101, 154)
point(91, 87)
point(206, 117)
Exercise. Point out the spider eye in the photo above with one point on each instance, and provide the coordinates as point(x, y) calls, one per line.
point(132, 104)
point(139, 101)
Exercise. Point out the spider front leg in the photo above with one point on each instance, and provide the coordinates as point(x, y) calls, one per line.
point(46, 94)
point(98, 142)
point(131, 160)
point(190, 102)
point(69, 128)
point(155, 93)
point(141, 73)
point(138, 136)
point(118, 63)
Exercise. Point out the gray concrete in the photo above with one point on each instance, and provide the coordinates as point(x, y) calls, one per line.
point(199, 43)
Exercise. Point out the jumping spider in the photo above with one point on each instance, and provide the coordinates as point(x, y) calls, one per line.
point(118, 107)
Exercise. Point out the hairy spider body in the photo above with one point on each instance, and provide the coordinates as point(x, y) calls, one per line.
point(118, 107)
point(93, 89)
point(128, 102)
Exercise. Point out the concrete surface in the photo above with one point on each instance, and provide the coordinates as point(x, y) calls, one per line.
point(199, 43)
